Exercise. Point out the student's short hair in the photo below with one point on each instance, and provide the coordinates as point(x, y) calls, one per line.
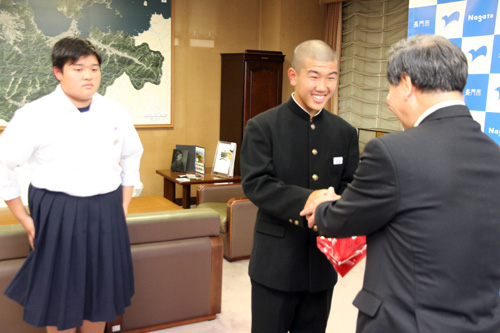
point(314, 49)
point(70, 49)
point(432, 62)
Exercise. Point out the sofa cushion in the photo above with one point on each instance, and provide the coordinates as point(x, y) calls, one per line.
point(13, 242)
point(221, 209)
point(172, 225)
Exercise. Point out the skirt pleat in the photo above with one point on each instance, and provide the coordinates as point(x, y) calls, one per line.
point(81, 267)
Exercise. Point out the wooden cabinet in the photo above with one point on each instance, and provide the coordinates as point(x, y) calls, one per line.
point(251, 83)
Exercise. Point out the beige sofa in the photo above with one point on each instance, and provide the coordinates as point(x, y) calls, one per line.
point(177, 258)
point(237, 217)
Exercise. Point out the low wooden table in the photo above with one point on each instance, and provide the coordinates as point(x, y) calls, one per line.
point(149, 203)
point(170, 179)
point(6, 217)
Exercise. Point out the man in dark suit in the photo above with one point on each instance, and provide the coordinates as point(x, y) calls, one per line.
point(428, 201)
point(287, 153)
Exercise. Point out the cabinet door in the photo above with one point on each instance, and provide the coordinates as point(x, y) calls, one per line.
point(263, 81)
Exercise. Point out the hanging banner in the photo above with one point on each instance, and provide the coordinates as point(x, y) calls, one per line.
point(473, 26)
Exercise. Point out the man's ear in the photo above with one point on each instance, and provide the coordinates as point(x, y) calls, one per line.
point(292, 76)
point(57, 73)
point(409, 88)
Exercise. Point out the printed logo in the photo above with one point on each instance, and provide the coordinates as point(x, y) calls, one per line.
point(479, 19)
point(476, 91)
point(422, 20)
point(450, 18)
point(479, 52)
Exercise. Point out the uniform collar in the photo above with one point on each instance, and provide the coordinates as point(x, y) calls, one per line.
point(301, 112)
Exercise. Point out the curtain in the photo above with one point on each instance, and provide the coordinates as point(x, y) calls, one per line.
point(369, 28)
point(333, 36)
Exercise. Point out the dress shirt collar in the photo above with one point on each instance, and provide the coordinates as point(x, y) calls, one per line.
point(436, 107)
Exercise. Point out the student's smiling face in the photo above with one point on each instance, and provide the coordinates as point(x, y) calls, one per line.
point(314, 83)
point(80, 80)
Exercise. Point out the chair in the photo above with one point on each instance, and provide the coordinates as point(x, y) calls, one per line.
point(237, 215)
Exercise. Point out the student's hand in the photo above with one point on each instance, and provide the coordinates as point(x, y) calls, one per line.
point(314, 200)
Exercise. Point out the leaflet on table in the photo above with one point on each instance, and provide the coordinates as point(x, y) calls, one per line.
point(224, 159)
point(199, 160)
point(188, 177)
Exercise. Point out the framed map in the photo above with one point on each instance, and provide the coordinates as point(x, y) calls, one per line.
point(134, 38)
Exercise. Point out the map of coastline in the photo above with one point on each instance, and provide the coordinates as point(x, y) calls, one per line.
point(135, 67)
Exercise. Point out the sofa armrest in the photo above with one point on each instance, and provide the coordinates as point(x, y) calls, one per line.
point(240, 224)
point(218, 192)
point(172, 225)
point(241, 216)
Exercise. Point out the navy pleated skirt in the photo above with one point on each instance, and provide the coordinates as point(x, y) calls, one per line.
point(81, 267)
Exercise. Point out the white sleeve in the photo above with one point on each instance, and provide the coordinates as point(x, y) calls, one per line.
point(131, 154)
point(17, 144)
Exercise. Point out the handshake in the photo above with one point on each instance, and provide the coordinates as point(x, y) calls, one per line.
point(315, 198)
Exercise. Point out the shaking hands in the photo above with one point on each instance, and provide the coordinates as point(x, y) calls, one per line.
point(315, 198)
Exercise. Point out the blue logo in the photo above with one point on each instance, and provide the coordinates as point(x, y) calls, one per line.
point(422, 20)
point(450, 18)
point(480, 17)
point(476, 92)
point(479, 52)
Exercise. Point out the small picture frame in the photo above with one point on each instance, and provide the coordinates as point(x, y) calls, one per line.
point(225, 156)
point(179, 160)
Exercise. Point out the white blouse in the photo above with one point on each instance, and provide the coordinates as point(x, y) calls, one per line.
point(78, 153)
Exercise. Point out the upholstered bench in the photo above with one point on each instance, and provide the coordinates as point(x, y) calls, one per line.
point(177, 258)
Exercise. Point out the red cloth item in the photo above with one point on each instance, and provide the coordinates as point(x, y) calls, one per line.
point(343, 253)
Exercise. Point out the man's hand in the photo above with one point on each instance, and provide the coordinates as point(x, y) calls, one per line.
point(315, 198)
point(315, 195)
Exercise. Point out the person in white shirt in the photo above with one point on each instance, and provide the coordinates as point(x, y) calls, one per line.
point(83, 154)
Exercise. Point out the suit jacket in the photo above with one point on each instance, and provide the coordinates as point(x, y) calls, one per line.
point(428, 200)
point(285, 155)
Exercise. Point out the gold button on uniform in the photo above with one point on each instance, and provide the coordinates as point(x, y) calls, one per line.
point(315, 152)
point(313, 127)
point(315, 177)
point(290, 220)
point(297, 222)
point(315, 228)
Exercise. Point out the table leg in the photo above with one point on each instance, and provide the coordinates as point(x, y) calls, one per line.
point(168, 190)
point(186, 196)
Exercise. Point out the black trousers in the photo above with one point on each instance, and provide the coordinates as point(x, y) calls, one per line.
point(275, 311)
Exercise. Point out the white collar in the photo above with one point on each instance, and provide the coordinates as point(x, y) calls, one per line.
point(436, 107)
point(305, 109)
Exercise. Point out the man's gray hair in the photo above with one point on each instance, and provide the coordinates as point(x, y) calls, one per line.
point(314, 49)
point(432, 62)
